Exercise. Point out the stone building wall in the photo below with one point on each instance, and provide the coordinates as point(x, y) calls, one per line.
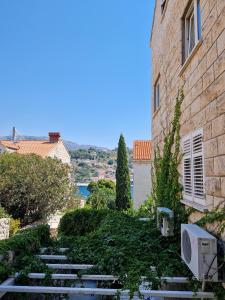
point(61, 153)
point(142, 182)
point(4, 228)
point(203, 81)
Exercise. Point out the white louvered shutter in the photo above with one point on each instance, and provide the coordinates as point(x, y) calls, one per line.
point(198, 167)
point(187, 168)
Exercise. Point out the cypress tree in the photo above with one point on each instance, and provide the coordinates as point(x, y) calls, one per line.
point(123, 192)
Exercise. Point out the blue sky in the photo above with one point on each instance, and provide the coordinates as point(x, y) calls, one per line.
point(81, 67)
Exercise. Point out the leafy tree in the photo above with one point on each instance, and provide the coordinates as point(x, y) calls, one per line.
point(123, 192)
point(102, 183)
point(102, 198)
point(31, 188)
point(102, 194)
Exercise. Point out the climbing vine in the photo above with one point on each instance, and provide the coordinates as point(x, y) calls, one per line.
point(216, 216)
point(167, 189)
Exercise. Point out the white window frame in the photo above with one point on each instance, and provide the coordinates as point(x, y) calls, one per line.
point(157, 94)
point(191, 155)
point(193, 11)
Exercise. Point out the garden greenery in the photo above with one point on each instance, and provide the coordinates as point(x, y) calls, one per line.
point(114, 242)
point(14, 223)
point(121, 245)
point(31, 187)
point(167, 190)
point(216, 216)
point(123, 189)
point(102, 194)
point(81, 221)
point(25, 243)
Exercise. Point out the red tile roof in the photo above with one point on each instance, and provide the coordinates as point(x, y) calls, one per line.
point(41, 148)
point(142, 150)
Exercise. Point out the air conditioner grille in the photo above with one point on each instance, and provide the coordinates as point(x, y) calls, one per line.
point(186, 246)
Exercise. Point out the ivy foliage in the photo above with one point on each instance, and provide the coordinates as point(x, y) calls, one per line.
point(123, 246)
point(25, 243)
point(216, 216)
point(167, 190)
point(81, 221)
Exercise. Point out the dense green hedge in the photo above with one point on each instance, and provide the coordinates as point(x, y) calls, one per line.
point(81, 221)
point(121, 245)
point(22, 245)
point(26, 241)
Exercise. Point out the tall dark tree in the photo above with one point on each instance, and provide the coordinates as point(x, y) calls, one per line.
point(123, 190)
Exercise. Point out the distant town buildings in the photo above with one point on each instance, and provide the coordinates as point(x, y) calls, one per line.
point(53, 147)
point(142, 168)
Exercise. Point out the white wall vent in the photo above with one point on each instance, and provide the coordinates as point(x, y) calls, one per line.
point(165, 221)
point(199, 252)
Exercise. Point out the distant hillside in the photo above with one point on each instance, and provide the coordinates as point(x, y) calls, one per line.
point(71, 146)
point(90, 163)
point(94, 164)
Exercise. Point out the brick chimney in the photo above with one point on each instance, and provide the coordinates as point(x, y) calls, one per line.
point(54, 137)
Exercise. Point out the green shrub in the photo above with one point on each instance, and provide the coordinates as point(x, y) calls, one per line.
point(102, 198)
point(14, 226)
point(31, 187)
point(3, 213)
point(125, 247)
point(146, 209)
point(81, 221)
point(26, 241)
point(14, 223)
point(102, 183)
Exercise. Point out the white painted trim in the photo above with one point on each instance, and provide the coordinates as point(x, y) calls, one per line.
point(71, 277)
point(197, 206)
point(196, 20)
point(69, 266)
point(191, 200)
point(61, 250)
point(189, 58)
point(98, 291)
point(98, 277)
point(7, 282)
point(52, 257)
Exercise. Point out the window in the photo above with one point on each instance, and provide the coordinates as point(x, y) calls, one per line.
point(192, 27)
point(193, 168)
point(156, 95)
point(163, 5)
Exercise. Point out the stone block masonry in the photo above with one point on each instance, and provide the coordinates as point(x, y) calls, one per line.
point(4, 228)
point(202, 77)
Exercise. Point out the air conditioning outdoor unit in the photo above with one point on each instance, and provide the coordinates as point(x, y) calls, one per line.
point(199, 252)
point(165, 221)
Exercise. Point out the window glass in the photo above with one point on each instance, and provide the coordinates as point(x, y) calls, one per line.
point(156, 95)
point(191, 36)
point(199, 20)
point(192, 27)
